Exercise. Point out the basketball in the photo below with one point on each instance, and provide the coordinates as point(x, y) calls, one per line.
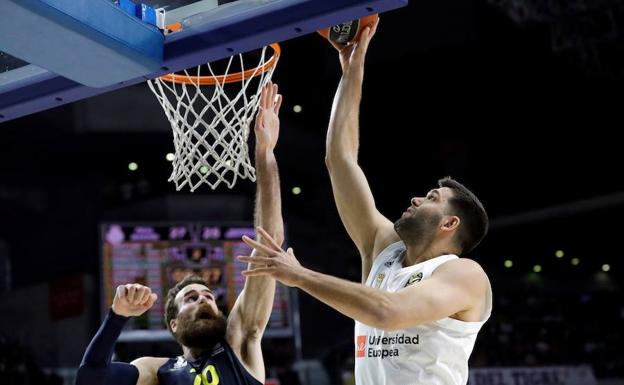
point(348, 31)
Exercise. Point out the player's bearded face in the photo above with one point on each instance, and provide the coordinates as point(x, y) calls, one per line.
point(201, 327)
point(418, 228)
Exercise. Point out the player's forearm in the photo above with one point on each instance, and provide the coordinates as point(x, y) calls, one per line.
point(100, 350)
point(268, 196)
point(343, 136)
point(354, 300)
point(96, 367)
point(259, 292)
point(256, 306)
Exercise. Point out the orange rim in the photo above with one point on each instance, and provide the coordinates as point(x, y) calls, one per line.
point(229, 78)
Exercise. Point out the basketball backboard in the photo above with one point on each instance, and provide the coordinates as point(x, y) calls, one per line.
point(61, 51)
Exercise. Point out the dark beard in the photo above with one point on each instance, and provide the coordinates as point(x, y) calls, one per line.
point(198, 333)
point(419, 229)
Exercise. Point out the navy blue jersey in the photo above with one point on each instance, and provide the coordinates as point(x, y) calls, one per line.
point(221, 366)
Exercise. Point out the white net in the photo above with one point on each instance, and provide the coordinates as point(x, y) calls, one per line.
point(211, 123)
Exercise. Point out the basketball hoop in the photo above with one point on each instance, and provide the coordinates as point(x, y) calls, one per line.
point(210, 116)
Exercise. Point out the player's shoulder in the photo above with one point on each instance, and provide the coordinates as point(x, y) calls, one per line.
point(464, 269)
point(150, 363)
point(148, 369)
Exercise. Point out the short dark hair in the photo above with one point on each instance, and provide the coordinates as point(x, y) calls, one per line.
point(470, 211)
point(171, 308)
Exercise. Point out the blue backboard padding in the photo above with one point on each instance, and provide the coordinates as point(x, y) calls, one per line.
point(91, 42)
point(201, 42)
point(274, 22)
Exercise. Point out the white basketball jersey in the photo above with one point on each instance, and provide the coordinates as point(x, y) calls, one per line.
point(430, 354)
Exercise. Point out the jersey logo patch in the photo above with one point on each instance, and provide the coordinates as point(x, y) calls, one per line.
point(414, 278)
point(179, 364)
point(379, 279)
point(360, 347)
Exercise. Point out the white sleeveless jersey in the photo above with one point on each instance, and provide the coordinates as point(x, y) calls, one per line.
point(430, 354)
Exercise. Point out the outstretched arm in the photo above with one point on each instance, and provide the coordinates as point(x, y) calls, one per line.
point(253, 307)
point(455, 287)
point(369, 230)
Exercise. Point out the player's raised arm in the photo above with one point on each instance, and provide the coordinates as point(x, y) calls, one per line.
point(253, 307)
point(367, 227)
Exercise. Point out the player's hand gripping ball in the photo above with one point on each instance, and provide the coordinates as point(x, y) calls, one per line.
point(348, 32)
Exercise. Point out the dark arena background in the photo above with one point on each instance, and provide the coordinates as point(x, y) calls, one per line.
point(521, 100)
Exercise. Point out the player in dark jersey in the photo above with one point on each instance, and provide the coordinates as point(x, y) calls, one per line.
point(217, 349)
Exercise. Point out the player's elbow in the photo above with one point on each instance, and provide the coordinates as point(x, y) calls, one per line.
point(334, 156)
point(334, 161)
point(329, 161)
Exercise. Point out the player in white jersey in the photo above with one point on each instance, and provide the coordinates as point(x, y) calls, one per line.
point(421, 306)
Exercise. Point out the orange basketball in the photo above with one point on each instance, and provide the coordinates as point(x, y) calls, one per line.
point(348, 31)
